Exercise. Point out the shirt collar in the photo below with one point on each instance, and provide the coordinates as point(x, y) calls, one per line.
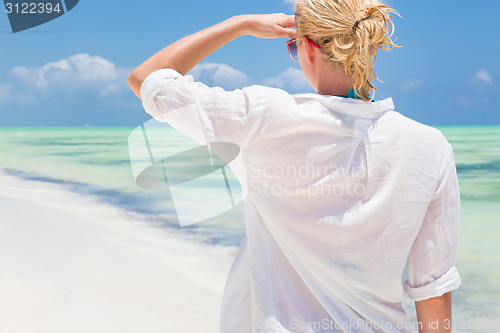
point(349, 106)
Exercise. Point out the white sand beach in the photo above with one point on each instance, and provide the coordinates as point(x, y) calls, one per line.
point(72, 264)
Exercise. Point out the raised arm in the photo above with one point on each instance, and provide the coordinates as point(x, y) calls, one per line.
point(186, 53)
point(434, 314)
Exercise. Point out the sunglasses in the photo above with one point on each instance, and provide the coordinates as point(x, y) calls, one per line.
point(292, 48)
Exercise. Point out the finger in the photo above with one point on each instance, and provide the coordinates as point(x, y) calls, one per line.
point(289, 22)
point(290, 33)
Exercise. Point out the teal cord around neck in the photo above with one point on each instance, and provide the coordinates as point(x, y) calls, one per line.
point(352, 94)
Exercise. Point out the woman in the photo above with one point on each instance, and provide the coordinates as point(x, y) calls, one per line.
point(343, 191)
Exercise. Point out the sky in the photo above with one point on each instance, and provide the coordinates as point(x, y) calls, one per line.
point(73, 70)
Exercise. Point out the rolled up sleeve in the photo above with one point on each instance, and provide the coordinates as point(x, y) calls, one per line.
point(431, 261)
point(205, 114)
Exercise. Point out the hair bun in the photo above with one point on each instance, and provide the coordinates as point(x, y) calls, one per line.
point(349, 32)
point(355, 26)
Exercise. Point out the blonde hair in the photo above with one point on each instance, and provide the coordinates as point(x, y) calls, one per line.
point(349, 33)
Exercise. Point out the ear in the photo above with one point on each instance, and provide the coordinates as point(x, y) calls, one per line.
point(310, 50)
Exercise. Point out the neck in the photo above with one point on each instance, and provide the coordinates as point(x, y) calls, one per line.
point(332, 80)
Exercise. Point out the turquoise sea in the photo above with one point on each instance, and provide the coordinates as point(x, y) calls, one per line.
point(95, 162)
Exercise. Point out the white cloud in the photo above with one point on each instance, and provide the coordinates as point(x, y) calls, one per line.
point(79, 76)
point(482, 77)
point(464, 100)
point(291, 3)
point(220, 75)
point(412, 85)
point(291, 79)
point(224, 76)
point(5, 91)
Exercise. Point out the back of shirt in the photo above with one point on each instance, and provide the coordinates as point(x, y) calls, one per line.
point(341, 194)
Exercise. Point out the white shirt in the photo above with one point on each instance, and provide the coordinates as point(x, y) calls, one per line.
point(341, 195)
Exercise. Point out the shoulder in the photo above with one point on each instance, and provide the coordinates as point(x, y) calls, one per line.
point(269, 96)
point(406, 127)
point(414, 136)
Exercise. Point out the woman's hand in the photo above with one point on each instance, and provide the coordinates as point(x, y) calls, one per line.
point(270, 25)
